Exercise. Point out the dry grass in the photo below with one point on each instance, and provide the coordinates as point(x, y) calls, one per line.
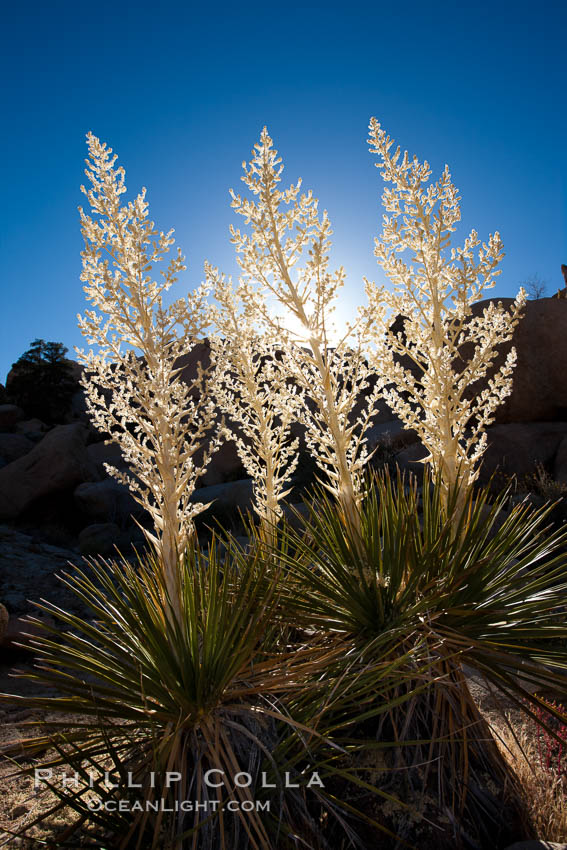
point(544, 787)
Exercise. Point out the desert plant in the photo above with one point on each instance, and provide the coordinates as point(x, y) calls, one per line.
point(42, 381)
point(434, 603)
point(331, 374)
point(239, 697)
point(161, 422)
point(134, 713)
point(253, 390)
point(551, 748)
point(433, 291)
point(543, 484)
point(351, 634)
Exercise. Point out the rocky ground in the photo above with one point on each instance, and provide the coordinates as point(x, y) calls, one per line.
point(29, 568)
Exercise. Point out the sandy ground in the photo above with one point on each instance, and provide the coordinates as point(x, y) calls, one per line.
point(19, 803)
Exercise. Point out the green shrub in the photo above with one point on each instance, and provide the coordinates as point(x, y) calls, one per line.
point(139, 693)
point(433, 596)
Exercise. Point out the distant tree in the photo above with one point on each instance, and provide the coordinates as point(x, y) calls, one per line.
point(535, 287)
point(42, 381)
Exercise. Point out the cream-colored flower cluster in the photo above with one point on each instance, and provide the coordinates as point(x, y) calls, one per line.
point(133, 388)
point(434, 288)
point(283, 227)
point(266, 376)
point(254, 390)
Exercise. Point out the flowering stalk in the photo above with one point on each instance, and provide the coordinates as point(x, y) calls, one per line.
point(133, 387)
point(254, 391)
point(434, 295)
point(332, 379)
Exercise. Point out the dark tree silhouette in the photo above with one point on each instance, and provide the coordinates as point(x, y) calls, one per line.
point(535, 287)
point(42, 381)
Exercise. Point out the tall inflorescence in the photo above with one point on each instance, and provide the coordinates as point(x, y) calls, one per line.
point(254, 391)
point(133, 387)
point(434, 287)
point(331, 375)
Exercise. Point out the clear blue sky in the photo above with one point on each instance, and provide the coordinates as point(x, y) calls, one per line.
point(182, 90)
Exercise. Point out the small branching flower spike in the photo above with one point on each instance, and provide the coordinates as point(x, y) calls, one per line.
point(285, 225)
point(133, 388)
point(254, 392)
point(434, 295)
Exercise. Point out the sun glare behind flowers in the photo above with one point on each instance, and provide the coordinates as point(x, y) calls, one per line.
point(300, 334)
